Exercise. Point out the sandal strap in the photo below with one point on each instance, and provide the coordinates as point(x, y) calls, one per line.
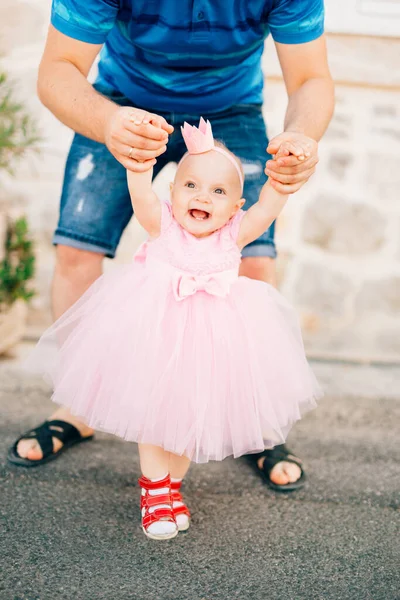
point(44, 439)
point(68, 433)
point(150, 501)
point(181, 510)
point(176, 485)
point(176, 496)
point(44, 434)
point(165, 514)
point(279, 454)
point(147, 484)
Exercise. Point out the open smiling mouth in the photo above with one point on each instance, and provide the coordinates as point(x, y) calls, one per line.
point(199, 215)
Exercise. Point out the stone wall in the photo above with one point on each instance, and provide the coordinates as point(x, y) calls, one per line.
point(338, 238)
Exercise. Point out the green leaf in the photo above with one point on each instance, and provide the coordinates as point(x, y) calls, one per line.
point(18, 133)
point(18, 265)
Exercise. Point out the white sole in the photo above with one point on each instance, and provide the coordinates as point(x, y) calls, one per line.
point(184, 527)
point(165, 536)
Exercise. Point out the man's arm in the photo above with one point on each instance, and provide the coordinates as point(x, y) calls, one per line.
point(309, 86)
point(310, 107)
point(63, 88)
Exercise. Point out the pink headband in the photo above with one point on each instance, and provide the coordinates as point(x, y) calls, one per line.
point(200, 140)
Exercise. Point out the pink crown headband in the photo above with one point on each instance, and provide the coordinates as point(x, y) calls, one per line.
point(200, 140)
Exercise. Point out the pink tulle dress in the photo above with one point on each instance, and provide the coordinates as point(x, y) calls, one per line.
point(175, 349)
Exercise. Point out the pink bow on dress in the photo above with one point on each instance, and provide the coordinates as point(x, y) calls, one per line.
point(216, 284)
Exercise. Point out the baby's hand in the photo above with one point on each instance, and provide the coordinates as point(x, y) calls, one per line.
point(144, 122)
point(142, 117)
point(135, 137)
point(300, 148)
point(294, 158)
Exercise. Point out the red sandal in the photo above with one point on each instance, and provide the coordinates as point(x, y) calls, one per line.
point(183, 524)
point(163, 514)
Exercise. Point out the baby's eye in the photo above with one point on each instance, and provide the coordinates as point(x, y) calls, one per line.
point(219, 191)
point(190, 185)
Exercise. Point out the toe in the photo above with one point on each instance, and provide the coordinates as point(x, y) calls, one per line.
point(57, 445)
point(285, 472)
point(293, 471)
point(25, 446)
point(31, 449)
point(34, 452)
point(278, 474)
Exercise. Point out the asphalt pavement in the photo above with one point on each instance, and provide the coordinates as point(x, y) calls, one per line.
point(71, 529)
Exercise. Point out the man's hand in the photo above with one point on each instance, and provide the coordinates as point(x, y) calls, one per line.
point(295, 158)
point(135, 137)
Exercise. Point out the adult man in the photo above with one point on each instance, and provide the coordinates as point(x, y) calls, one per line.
point(177, 61)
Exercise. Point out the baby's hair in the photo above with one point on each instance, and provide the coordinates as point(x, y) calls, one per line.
point(220, 144)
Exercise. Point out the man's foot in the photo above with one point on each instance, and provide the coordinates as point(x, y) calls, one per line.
point(30, 448)
point(283, 472)
point(280, 468)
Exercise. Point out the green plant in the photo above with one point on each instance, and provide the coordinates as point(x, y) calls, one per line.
point(18, 266)
point(17, 135)
point(17, 130)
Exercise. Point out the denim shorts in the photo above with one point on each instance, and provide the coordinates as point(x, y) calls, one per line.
point(95, 205)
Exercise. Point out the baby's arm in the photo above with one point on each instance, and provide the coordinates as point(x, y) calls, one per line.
point(271, 202)
point(146, 204)
point(261, 215)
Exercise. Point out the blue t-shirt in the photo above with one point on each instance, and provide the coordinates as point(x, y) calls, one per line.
point(187, 56)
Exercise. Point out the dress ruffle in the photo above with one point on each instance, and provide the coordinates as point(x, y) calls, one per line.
point(206, 377)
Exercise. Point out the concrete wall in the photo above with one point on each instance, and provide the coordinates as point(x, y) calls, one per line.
point(339, 236)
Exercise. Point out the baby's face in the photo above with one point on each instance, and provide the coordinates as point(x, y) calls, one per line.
point(206, 193)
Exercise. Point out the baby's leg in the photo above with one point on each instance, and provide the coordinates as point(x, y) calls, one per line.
point(178, 467)
point(154, 462)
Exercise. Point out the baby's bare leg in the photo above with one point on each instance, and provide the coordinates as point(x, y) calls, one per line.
point(154, 461)
point(178, 466)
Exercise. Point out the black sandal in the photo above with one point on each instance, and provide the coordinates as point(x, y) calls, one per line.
point(273, 457)
point(69, 436)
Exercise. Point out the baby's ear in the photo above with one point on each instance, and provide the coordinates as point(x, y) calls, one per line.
point(239, 204)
